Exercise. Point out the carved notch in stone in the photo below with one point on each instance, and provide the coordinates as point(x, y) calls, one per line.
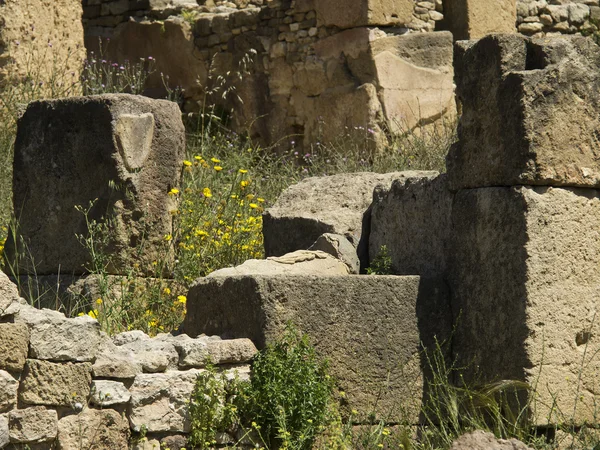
point(134, 134)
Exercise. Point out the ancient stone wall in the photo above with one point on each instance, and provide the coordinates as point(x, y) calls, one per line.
point(544, 17)
point(66, 384)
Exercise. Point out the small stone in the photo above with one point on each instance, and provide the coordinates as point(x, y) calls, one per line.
point(32, 425)
point(107, 393)
point(8, 391)
point(546, 19)
point(530, 28)
point(14, 345)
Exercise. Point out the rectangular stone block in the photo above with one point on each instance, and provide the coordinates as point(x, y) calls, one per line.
point(364, 13)
point(412, 220)
point(530, 112)
point(114, 156)
point(32, 425)
point(14, 346)
point(372, 329)
point(474, 19)
point(526, 288)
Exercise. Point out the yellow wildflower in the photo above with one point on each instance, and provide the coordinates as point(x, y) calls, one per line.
point(242, 171)
point(260, 199)
point(167, 237)
point(99, 301)
point(244, 183)
point(167, 290)
point(198, 158)
point(218, 168)
point(174, 191)
point(250, 196)
point(207, 192)
point(182, 299)
point(253, 205)
point(215, 160)
point(187, 163)
point(93, 313)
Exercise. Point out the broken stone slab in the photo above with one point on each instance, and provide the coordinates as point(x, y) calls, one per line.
point(333, 204)
point(340, 248)
point(55, 384)
point(370, 328)
point(483, 440)
point(524, 280)
point(8, 391)
point(93, 428)
point(298, 262)
point(134, 148)
point(14, 346)
point(412, 220)
point(530, 112)
point(474, 19)
point(364, 13)
point(32, 425)
point(109, 393)
point(196, 353)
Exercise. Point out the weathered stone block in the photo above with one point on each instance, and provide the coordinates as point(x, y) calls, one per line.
point(14, 346)
point(8, 293)
point(529, 112)
point(94, 429)
point(159, 401)
point(197, 352)
point(525, 284)
point(412, 219)
point(108, 393)
point(55, 384)
point(32, 425)
point(8, 391)
point(28, 41)
point(370, 328)
point(116, 156)
point(334, 204)
point(364, 13)
point(473, 19)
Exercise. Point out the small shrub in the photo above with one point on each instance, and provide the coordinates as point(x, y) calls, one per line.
point(381, 264)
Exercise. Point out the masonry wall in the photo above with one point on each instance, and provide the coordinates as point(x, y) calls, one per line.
point(548, 17)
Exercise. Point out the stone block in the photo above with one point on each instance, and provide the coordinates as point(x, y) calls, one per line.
point(335, 204)
point(474, 19)
point(159, 401)
point(339, 247)
point(55, 384)
point(8, 293)
point(14, 346)
point(370, 328)
point(25, 40)
point(364, 13)
point(530, 112)
point(197, 352)
point(133, 149)
point(94, 429)
point(109, 393)
point(412, 220)
point(525, 284)
point(32, 425)
point(8, 391)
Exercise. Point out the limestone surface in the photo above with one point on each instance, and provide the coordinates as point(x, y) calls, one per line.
point(412, 220)
point(370, 328)
point(197, 352)
point(94, 429)
point(8, 391)
point(482, 440)
point(108, 393)
point(361, 13)
point(525, 284)
point(55, 384)
point(334, 204)
point(32, 425)
point(340, 248)
point(14, 346)
point(529, 112)
point(474, 19)
point(133, 149)
point(4, 434)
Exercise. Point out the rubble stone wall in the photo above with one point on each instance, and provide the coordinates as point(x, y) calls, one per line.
point(65, 384)
point(547, 17)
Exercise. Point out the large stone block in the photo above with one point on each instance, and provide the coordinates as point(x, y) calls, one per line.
point(530, 112)
point(53, 384)
point(32, 425)
point(14, 346)
point(334, 204)
point(94, 429)
point(41, 48)
point(412, 220)
point(364, 13)
point(370, 328)
point(526, 287)
point(473, 19)
point(122, 153)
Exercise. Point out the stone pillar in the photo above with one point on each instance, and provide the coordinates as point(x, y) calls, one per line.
point(473, 19)
point(116, 156)
point(524, 249)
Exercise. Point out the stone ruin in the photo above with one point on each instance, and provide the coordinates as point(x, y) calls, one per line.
point(499, 256)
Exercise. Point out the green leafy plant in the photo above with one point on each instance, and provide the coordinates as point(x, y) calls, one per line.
point(381, 264)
